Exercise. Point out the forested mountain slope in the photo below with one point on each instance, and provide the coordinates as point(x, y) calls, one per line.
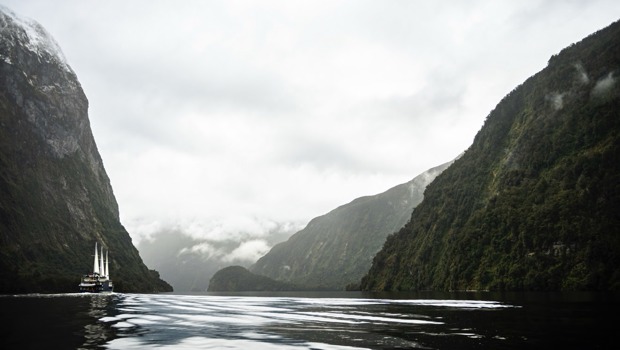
point(56, 200)
point(534, 203)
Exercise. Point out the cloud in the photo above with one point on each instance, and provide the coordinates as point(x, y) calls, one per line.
point(205, 250)
point(582, 75)
point(604, 85)
point(211, 241)
point(244, 252)
point(557, 100)
point(249, 251)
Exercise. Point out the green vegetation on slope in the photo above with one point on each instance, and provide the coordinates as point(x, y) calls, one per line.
point(534, 202)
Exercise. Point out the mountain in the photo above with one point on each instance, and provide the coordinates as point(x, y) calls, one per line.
point(336, 249)
point(239, 279)
point(534, 203)
point(56, 200)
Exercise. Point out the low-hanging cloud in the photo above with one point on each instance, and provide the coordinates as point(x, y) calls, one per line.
point(604, 85)
point(556, 99)
point(582, 75)
point(244, 252)
point(248, 251)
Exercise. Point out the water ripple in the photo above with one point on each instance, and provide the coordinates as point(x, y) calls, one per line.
point(232, 322)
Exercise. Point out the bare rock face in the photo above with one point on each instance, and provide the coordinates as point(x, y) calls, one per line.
point(61, 105)
point(55, 196)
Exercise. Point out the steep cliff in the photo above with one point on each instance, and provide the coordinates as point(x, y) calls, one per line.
point(56, 200)
point(534, 203)
point(336, 249)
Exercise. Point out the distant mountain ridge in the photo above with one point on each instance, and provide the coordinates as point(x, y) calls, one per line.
point(336, 249)
point(534, 203)
point(56, 200)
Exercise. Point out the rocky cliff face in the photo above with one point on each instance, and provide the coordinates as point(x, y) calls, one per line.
point(55, 197)
point(336, 249)
point(533, 203)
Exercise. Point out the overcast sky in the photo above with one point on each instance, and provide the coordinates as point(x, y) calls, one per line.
point(233, 119)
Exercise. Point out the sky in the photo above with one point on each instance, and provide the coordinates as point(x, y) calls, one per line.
point(236, 121)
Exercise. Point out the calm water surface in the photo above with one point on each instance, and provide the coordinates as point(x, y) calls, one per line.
point(310, 321)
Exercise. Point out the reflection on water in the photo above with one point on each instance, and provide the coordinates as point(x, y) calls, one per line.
point(96, 333)
point(306, 321)
point(185, 321)
point(55, 321)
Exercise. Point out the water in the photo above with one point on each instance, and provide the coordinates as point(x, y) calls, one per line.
point(309, 321)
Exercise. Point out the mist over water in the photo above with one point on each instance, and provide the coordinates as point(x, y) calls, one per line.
point(306, 321)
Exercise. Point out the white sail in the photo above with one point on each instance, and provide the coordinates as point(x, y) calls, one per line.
point(96, 266)
point(101, 263)
point(107, 271)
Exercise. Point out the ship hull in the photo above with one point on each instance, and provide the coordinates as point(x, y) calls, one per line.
point(92, 284)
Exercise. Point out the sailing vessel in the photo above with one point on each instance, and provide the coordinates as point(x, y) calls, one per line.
point(99, 281)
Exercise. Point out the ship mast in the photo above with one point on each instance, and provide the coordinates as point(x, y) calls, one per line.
point(96, 265)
